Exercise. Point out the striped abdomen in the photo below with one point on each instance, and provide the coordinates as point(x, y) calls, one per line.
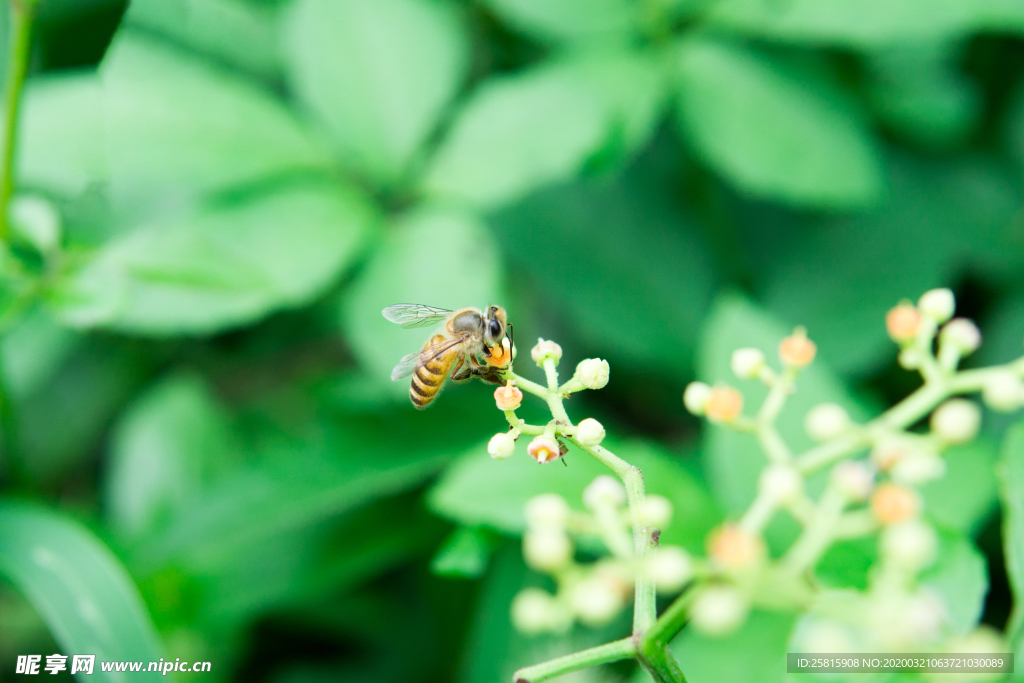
point(428, 377)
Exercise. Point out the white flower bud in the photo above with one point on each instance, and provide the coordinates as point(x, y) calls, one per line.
point(937, 304)
point(671, 568)
point(589, 432)
point(536, 611)
point(592, 373)
point(911, 544)
point(595, 600)
point(546, 549)
point(1003, 391)
point(547, 510)
point(853, 479)
point(962, 334)
point(956, 420)
point(655, 511)
point(910, 358)
point(923, 617)
point(696, 397)
point(604, 491)
point(826, 421)
point(501, 445)
point(781, 482)
point(719, 610)
point(918, 467)
point(747, 363)
point(546, 349)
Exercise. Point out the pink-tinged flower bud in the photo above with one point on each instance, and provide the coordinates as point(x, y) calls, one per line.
point(544, 449)
point(797, 350)
point(546, 349)
point(962, 334)
point(501, 445)
point(508, 397)
point(853, 480)
point(892, 503)
point(735, 549)
point(903, 322)
point(724, 404)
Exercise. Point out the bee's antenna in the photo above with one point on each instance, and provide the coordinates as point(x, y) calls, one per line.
point(564, 462)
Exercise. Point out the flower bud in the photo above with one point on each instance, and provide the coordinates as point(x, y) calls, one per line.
point(911, 544)
point(544, 350)
point(937, 304)
point(735, 549)
point(826, 421)
point(892, 449)
point(604, 491)
point(718, 610)
point(781, 483)
point(892, 503)
point(501, 445)
point(962, 334)
point(797, 350)
point(918, 467)
point(655, 511)
point(589, 432)
point(696, 397)
point(547, 510)
point(508, 397)
point(546, 549)
point(724, 404)
point(956, 421)
point(592, 373)
point(924, 616)
point(903, 322)
point(747, 363)
point(1003, 391)
point(853, 480)
point(671, 568)
point(536, 611)
point(910, 358)
point(544, 449)
point(595, 600)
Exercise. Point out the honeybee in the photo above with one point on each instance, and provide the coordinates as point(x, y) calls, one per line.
point(460, 350)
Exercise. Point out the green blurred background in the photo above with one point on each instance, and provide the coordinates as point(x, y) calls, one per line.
point(216, 198)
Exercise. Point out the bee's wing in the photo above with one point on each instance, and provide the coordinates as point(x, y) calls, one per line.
point(415, 315)
point(408, 364)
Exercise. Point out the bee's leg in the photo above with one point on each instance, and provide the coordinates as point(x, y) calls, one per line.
point(460, 373)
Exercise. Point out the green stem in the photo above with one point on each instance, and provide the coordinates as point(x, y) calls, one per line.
point(22, 12)
point(602, 654)
point(653, 653)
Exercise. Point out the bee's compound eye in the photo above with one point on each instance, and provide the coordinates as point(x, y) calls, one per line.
point(495, 329)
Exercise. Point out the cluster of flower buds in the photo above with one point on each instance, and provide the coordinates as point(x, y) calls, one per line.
point(595, 592)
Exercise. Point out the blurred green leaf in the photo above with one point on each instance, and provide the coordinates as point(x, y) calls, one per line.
point(773, 132)
point(967, 495)
point(939, 223)
point(734, 460)
point(517, 133)
point(77, 585)
point(465, 554)
point(378, 74)
point(175, 123)
point(241, 33)
point(164, 448)
point(866, 23)
point(848, 563)
point(476, 490)
point(1012, 493)
point(960, 578)
point(556, 20)
point(32, 351)
point(433, 256)
point(227, 265)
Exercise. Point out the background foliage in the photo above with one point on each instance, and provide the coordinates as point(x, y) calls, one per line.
point(200, 428)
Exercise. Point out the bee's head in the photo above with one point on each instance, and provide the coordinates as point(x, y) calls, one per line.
point(494, 329)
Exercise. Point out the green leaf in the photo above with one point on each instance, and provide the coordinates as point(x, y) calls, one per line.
point(960, 578)
point(465, 554)
point(378, 74)
point(518, 133)
point(734, 460)
point(243, 34)
point(77, 586)
point(1012, 491)
point(476, 490)
point(967, 495)
point(756, 652)
point(32, 352)
point(557, 20)
point(227, 265)
point(176, 123)
point(866, 23)
point(774, 132)
point(433, 256)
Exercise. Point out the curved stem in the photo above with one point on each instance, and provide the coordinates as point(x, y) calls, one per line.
point(22, 12)
point(602, 654)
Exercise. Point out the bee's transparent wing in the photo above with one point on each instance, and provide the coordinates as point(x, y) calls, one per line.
point(415, 315)
point(408, 364)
